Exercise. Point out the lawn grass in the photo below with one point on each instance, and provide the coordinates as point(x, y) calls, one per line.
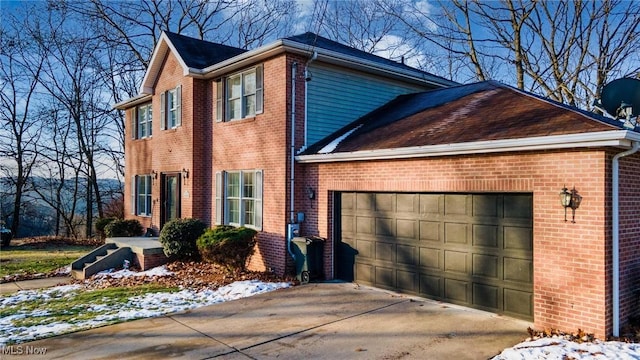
point(74, 306)
point(38, 258)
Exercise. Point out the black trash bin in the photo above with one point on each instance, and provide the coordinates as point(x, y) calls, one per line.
point(309, 253)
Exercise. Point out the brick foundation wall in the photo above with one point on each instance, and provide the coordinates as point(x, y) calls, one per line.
point(149, 261)
point(570, 273)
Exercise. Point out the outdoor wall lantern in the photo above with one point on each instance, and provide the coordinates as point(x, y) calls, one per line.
point(570, 199)
point(311, 193)
point(154, 174)
point(185, 173)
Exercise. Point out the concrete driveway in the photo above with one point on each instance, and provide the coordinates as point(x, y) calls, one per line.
point(318, 321)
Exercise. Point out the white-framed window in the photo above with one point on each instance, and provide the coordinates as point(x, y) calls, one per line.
point(141, 200)
point(240, 95)
point(171, 108)
point(143, 118)
point(239, 198)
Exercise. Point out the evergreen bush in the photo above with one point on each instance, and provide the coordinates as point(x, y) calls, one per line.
point(227, 245)
point(123, 228)
point(101, 223)
point(178, 238)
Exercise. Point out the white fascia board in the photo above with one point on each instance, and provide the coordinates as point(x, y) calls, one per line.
point(126, 104)
point(159, 53)
point(615, 138)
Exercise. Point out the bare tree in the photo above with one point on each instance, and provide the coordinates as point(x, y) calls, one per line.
point(20, 72)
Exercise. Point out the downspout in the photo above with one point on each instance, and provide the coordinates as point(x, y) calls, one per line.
point(616, 234)
point(307, 78)
point(294, 70)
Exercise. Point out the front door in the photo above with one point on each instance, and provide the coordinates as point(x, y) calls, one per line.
point(170, 197)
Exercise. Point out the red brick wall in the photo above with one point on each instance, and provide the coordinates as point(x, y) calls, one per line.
point(570, 282)
point(262, 143)
point(172, 150)
point(629, 237)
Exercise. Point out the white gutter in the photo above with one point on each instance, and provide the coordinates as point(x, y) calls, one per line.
point(614, 138)
point(139, 99)
point(616, 234)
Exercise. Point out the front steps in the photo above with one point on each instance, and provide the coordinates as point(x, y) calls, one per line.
point(107, 256)
point(142, 252)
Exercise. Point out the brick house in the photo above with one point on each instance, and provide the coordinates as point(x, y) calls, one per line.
point(418, 184)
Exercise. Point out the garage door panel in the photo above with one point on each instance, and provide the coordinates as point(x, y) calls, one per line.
point(430, 258)
point(456, 290)
point(456, 261)
point(455, 204)
point(455, 233)
point(485, 235)
point(518, 303)
point(485, 265)
point(365, 225)
point(385, 277)
point(430, 231)
point(518, 238)
point(518, 270)
point(364, 273)
point(385, 251)
point(407, 229)
point(365, 249)
point(385, 227)
point(407, 203)
point(431, 286)
point(518, 206)
point(485, 205)
point(407, 254)
point(429, 205)
point(486, 296)
point(471, 249)
point(407, 280)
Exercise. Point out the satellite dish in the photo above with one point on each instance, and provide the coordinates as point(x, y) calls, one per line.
point(621, 98)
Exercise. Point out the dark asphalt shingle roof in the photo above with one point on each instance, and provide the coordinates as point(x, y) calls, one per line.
point(314, 40)
point(200, 54)
point(480, 111)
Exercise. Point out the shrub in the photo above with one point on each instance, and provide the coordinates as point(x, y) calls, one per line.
point(178, 238)
point(123, 228)
point(227, 245)
point(101, 223)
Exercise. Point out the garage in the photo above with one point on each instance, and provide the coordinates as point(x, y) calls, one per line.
point(470, 249)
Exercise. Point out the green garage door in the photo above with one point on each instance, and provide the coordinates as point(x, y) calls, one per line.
point(474, 250)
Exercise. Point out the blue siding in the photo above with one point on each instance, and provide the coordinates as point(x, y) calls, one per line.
point(336, 97)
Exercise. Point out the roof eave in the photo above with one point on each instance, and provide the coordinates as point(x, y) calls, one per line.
point(616, 138)
point(126, 104)
point(157, 59)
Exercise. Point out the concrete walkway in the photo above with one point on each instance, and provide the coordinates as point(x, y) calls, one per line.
point(11, 287)
point(314, 321)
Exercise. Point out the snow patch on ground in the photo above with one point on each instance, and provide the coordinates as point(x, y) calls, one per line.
point(137, 307)
point(156, 271)
point(557, 348)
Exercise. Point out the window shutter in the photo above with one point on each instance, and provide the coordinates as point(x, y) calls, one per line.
point(179, 105)
point(163, 111)
point(134, 122)
point(133, 195)
point(219, 196)
point(259, 200)
point(259, 91)
point(219, 101)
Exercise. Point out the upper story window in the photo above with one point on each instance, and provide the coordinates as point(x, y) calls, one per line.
point(142, 121)
point(240, 95)
point(171, 108)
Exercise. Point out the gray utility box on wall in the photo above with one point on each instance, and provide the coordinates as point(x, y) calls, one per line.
point(309, 257)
